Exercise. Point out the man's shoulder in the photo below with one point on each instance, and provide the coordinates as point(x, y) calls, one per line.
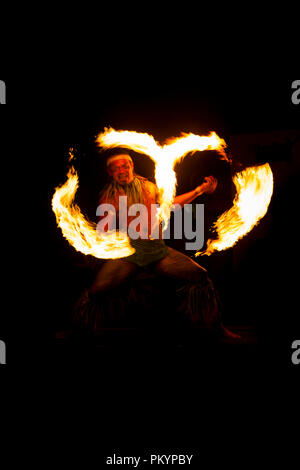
point(151, 187)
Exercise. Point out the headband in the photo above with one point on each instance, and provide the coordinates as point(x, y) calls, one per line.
point(118, 157)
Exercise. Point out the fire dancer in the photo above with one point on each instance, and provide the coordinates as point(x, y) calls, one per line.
point(202, 302)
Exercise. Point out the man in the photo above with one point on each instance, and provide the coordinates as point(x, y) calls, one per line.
point(202, 303)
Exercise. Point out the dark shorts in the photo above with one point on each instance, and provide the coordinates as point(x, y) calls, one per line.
point(147, 251)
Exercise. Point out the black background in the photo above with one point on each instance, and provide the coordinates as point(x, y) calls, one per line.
point(69, 110)
point(262, 283)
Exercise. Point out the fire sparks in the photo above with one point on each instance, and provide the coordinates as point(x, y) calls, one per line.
point(254, 189)
point(81, 233)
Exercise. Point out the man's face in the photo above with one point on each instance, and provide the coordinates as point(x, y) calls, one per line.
point(121, 170)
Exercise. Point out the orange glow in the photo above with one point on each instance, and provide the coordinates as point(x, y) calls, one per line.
point(165, 157)
point(254, 189)
point(80, 232)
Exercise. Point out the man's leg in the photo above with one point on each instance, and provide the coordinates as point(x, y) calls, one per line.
point(87, 310)
point(201, 300)
point(179, 266)
point(113, 273)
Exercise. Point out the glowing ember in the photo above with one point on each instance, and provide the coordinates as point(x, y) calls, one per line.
point(79, 232)
point(254, 189)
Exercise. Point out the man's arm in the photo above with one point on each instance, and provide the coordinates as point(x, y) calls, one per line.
point(208, 186)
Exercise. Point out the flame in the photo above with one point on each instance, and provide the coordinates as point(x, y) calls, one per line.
point(254, 189)
point(165, 157)
point(81, 233)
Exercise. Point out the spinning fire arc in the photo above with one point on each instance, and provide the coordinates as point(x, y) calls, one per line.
point(254, 189)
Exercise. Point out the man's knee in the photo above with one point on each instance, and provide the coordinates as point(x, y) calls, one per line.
point(199, 274)
point(105, 283)
point(99, 287)
point(112, 274)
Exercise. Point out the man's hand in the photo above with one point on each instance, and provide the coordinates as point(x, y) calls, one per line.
point(208, 186)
